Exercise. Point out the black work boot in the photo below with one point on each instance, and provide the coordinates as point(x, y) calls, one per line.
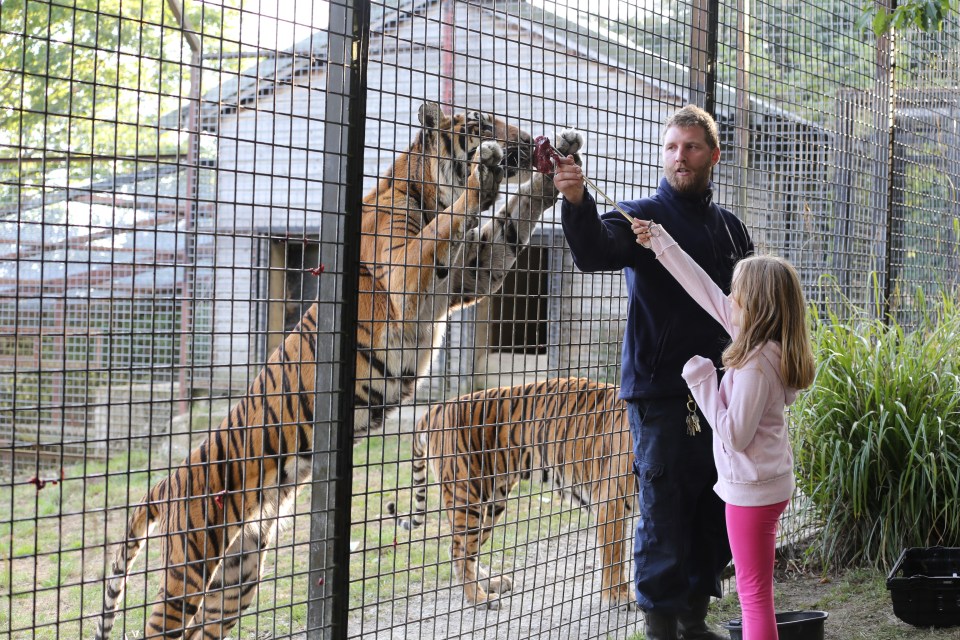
point(659, 626)
point(693, 624)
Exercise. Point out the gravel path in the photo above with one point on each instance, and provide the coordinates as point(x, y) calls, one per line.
point(555, 595)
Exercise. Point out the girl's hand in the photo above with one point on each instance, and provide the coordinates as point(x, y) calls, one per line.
point(644, 230)
point(696, 370)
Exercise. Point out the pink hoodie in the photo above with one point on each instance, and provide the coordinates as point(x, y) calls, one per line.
point(752, 447)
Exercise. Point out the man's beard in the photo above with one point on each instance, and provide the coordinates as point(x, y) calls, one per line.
point(694, 183)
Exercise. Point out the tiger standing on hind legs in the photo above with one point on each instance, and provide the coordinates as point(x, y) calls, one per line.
point(218, 511)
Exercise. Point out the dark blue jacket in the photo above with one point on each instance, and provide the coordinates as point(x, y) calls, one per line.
point(665, 327)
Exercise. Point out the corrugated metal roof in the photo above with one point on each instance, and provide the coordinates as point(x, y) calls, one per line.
point(305, 56)
point(256, 82)
point(116, 231)
point(577, 30)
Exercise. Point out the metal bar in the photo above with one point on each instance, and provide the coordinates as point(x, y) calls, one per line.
point(193, 144)
point(743, 116)
point(330, 517)
point(704, 29)
point(887, 64)
point(448, 64)
point(88, 157)
point(608, 199)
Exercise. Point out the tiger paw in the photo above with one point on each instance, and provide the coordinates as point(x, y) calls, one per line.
point(489, 173)
point(620, 597)
point(492, 601)
point(569, 141)
point(476, 595)
point(469, 226)
point(500, 584)
point(473, 235)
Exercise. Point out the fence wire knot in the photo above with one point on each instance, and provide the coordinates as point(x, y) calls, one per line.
point(40, 483)
point(317, 270)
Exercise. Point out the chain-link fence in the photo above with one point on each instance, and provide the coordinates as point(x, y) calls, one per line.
point(207, 209)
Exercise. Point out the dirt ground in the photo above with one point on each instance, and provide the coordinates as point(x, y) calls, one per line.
point(561, 571)
point(555, 596)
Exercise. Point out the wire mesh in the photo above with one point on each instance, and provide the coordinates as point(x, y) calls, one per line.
point(180, 189)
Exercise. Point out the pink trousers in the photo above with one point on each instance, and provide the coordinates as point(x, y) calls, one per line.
point(753, 540)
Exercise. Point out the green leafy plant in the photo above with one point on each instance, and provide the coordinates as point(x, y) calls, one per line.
point(925, 15)
point(877, 437)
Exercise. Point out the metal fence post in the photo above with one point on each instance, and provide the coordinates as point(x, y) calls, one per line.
point(704, 29)
point(887, 72)
point(328, 599)
point(743, 118)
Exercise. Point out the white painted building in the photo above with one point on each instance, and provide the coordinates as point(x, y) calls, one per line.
point(534, 68)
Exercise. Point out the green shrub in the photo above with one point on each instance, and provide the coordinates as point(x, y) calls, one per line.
point(877, 437)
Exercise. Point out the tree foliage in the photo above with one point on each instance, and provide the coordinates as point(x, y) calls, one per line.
point(800, 53)
point(91, 79)
point(925, 15)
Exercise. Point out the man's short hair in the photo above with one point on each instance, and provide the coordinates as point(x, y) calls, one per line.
point(693, 116)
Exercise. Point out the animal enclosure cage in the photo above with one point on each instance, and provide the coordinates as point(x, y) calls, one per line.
point(180, 183)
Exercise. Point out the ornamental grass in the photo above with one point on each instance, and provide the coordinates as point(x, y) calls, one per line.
point(877, 437)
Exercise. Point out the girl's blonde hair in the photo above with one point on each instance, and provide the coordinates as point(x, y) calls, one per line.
point(772, 307)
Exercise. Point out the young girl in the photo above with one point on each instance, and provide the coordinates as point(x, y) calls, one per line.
point(767, 362)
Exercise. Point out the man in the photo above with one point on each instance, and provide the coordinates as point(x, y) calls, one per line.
point(681, 547)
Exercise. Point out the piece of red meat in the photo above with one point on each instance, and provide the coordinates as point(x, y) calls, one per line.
point(544, 155)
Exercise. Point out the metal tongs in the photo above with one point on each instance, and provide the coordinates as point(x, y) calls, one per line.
point(545, 161)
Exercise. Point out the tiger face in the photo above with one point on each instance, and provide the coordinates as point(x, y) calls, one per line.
point(466, 130)
point(431, 175)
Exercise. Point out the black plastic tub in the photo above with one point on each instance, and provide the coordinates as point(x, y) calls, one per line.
point(791, 625)
point(924, 586)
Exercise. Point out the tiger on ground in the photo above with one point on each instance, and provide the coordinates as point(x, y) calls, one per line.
point(480, 445)
point(422, 257)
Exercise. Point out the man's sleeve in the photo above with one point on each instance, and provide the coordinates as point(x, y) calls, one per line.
point(597, 243)
point(749, 249)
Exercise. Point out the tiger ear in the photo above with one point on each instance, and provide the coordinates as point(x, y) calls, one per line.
point(431, 115)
